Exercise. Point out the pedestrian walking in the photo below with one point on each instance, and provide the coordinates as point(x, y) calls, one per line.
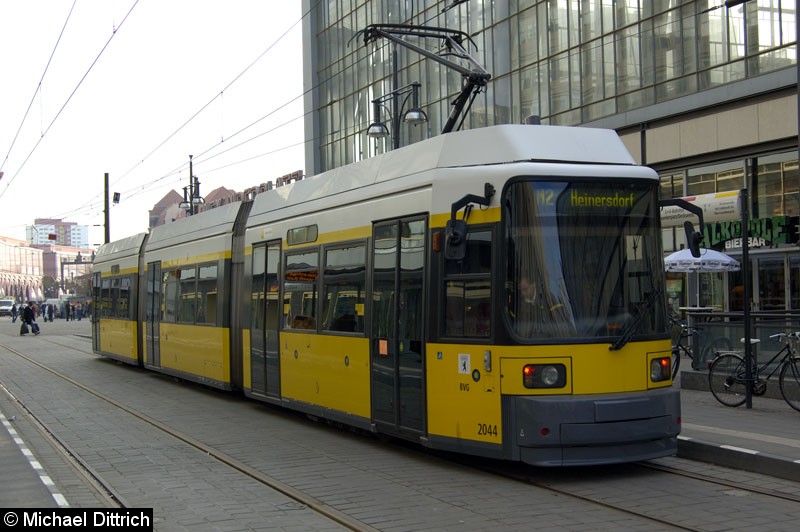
point(29, 320)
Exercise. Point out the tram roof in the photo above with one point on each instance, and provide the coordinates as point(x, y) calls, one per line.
point(519, 143)
point(208, 223)
point(494, 145)
point(120, 248)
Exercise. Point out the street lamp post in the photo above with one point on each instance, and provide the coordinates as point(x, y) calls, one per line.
point(191, 194)
point(414, 115)
point(78, 260)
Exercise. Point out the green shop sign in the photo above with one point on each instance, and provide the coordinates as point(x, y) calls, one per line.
point(762, 232)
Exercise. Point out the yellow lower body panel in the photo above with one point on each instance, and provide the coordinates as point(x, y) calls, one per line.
point(118, 340)
point(197, 350)
point(463, 398)
point(466, 383)
point(327, 371)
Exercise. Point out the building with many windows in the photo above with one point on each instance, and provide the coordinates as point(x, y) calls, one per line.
point(704, 93)
point(21, 268)
point(35, 272)
point(45, 231)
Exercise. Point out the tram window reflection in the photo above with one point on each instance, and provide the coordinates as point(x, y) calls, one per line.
point(468, 289)
point(300, 291)
point(344, 289)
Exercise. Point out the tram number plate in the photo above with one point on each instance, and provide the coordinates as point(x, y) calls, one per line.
point(487, 429)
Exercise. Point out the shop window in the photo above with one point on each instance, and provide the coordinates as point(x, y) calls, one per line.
point(777, 188)
point(794, 282)
point(672, 185)
point(716, 178)
point(771, 284)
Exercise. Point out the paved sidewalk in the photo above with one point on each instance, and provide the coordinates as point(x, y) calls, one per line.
point(763, 439)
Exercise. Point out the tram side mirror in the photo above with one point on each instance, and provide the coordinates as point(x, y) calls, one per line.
point(693, 238)
point(455, 243)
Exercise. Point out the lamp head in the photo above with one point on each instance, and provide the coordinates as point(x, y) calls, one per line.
point(377, 130)
point(415, 116)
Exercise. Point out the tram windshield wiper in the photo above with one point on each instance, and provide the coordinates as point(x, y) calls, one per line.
point(632, 324)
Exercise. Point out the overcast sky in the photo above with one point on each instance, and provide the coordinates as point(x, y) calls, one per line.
point(133, 88)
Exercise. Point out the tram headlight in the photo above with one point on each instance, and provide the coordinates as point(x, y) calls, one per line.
point(660, 369)
point(544, 375)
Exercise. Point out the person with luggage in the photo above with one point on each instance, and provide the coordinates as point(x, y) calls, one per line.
point(29, 321)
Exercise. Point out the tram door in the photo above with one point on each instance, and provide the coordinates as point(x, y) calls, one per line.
point(97, 309)
point(152, 312)
point(396, 343)
point(265, 315)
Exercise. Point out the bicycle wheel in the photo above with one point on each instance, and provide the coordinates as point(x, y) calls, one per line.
point(789, 380)
point(726, 379)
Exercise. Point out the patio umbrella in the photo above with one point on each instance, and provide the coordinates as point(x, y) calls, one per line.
point(708, 261)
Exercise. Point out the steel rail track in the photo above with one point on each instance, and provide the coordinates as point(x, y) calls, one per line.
point(93, 479)
point(523, 475)
point(275, 484)
point(492, 467)
point(720, 481)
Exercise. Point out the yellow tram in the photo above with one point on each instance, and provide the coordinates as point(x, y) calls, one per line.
point(496, 292)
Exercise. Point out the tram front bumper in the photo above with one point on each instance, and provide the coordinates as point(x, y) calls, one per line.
point(597, 429)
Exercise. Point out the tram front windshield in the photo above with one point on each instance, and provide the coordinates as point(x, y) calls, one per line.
point(583, 259)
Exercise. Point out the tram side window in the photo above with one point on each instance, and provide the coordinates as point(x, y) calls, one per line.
point(258, 294)
point(187, 294)
point(468, 289)
point(300, 291)
point(105, 298)
point(197, 294)
point(207, 294)
point(169, 291)
point(344, 284)
point(97, 286)
point(114, 297)
point(123, 298)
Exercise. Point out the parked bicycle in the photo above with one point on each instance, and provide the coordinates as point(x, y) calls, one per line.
point(685, 347)
point(728, 381)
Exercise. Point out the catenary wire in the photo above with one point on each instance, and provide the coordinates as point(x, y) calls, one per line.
point(214, 98)
point(195, 115)
point(39, 86)
point(69, 98)
point(146, 186)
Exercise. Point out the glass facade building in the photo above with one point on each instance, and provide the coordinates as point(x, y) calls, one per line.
point(703, 93)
